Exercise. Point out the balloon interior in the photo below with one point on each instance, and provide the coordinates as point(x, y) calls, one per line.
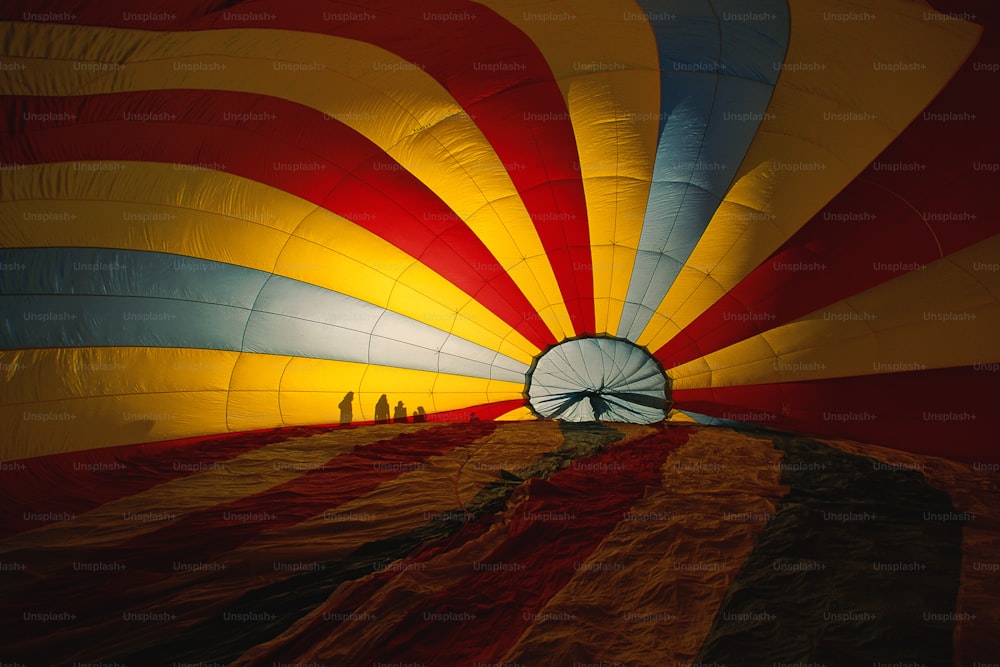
point(527, 333)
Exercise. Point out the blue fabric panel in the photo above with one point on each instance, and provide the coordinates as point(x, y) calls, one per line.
point(719, 62)
point(65, 297)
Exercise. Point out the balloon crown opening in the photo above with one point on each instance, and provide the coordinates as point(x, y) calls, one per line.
point(598, 378)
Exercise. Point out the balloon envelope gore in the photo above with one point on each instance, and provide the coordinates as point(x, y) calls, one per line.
point(598, 379)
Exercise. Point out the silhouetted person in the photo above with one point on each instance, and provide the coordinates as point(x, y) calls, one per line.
point(346, 411)
point(382, 410)
point(598, 405)
point(473, 417)
point(419, 415)
point(399, 414)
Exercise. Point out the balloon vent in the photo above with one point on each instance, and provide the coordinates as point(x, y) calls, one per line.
point(598, 379)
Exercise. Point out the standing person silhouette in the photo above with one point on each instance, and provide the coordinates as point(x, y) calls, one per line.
point(399, 414)
point(346, 410)
point(382, 410)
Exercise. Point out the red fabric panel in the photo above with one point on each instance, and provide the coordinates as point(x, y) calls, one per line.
point(562, 521)
point(206, 534)
point(335, 167)
point(874, 230)
point(518, 107)
point(944, 412)
point(40, 484)
point(484, 411)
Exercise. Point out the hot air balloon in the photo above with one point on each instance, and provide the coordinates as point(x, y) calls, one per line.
point(619, 259)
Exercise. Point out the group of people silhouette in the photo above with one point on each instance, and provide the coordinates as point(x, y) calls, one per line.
point(399, 415)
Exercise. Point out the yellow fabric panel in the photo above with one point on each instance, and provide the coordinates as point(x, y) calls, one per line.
point(607, 262)
point(501, 390)
point(72, 424)
point(679, 417)
point(614, 103)
point(258, 372)
point(217, 216)
point(605, 274)
point(253, 409)
point(204, 214)
point(309, 386)
point(311, 391)
point(831, 114)
point(50, 374)
point(214, 483)
point(656, 578)
point(910, 323)
point(311, 262)
point(67, 399)
point(253, 402)
point(396, 105)
point(517, 414)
